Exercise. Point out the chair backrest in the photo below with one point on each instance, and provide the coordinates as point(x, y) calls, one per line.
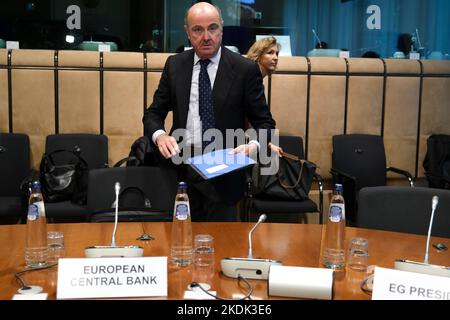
point(361, 156)
point(158, 184)
point(437, 161)
point(14, 162)
point(94, 147)
point(292, 145)
point(404, 209)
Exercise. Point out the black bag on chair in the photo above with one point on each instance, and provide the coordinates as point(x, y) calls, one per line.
point(67, 181)
point(292, 181)
point(437, 161)
point(143, 151)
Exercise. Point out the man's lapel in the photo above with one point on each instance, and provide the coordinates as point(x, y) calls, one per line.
point(184, 86)
point(224, 79)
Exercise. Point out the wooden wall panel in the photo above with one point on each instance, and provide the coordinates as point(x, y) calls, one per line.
point(365, 101)
point(33, 108)
point(401, 120)
point(288, 103)
point(326, 118)
point(4, 107)
point(123, 111)
point(79, 102)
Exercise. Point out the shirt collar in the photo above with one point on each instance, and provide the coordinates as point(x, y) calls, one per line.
point(215, 59)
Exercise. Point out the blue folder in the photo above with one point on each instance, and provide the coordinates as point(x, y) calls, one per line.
point(219, 162)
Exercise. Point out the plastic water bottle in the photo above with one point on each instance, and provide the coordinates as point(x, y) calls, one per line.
point(334, 252)
point(181, 250)
point(36, 250)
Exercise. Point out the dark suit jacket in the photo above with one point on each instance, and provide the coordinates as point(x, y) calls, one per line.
point(237, 93)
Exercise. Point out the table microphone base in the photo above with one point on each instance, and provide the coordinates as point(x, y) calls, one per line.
point(420, 267)
point(247, 267)
point(113, 252)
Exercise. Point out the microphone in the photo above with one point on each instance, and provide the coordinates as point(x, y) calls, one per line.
point(116, 216)
point(261, 219)
point(425, 267)
point(434, 204)
point(317, 38)
point(249, 268)
point(113, 250)
point(418, 38)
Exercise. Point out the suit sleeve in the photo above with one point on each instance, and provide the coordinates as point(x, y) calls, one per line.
point(257, 110)
point(155, 115)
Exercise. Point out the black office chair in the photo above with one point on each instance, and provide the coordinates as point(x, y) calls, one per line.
point(404, 209)
point(14, 169)
point(146, 193)
point(281, 210)
point(93, 148)
point(359, 161)
point(437, 161)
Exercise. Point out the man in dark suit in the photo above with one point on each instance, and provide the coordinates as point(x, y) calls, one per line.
point(208, 87)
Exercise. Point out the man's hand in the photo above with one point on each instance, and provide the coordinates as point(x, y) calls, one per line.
point(245, 149)
point(167, 145)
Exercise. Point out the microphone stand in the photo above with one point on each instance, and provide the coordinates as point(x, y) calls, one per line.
point(114, 251)
point(249, 268)
point(425, 267)
point(261, 219)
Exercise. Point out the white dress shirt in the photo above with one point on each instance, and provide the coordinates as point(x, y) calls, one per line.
point(194, 125)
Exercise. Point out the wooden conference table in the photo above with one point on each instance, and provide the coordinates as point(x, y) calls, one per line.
point(293, 244)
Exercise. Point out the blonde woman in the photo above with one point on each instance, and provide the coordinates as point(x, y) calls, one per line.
point(265, 53)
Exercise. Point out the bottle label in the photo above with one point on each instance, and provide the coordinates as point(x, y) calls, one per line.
point(36, 210)
point(182, 210)
point(337, 212)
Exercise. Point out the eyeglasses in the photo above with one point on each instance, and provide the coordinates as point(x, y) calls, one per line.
point(212, 30)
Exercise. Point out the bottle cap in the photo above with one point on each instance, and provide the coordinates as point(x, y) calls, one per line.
point(338, 187)
point(36, 185)
point(182, 185)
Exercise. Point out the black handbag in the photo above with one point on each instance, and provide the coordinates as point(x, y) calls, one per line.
point(68, 181)
point(291, 182)
point(143, 151)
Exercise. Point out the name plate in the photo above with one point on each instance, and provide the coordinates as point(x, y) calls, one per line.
point(344, 54)
point(104, 48)
point(414, 56)
point(12, 44)
point(112, 278)
point(391, 284)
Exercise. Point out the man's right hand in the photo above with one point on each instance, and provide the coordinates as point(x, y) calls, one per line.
point(167, 145)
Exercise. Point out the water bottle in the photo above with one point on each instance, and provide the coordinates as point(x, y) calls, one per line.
point(181, 250)
point(36, 250)
point(334, 252)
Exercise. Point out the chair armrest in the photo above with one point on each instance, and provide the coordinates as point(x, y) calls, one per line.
point(128, 160)
point(319, 180)
point(338, 173)
point(404, 173)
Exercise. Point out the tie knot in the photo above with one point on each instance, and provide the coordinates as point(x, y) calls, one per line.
point(204, 63)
